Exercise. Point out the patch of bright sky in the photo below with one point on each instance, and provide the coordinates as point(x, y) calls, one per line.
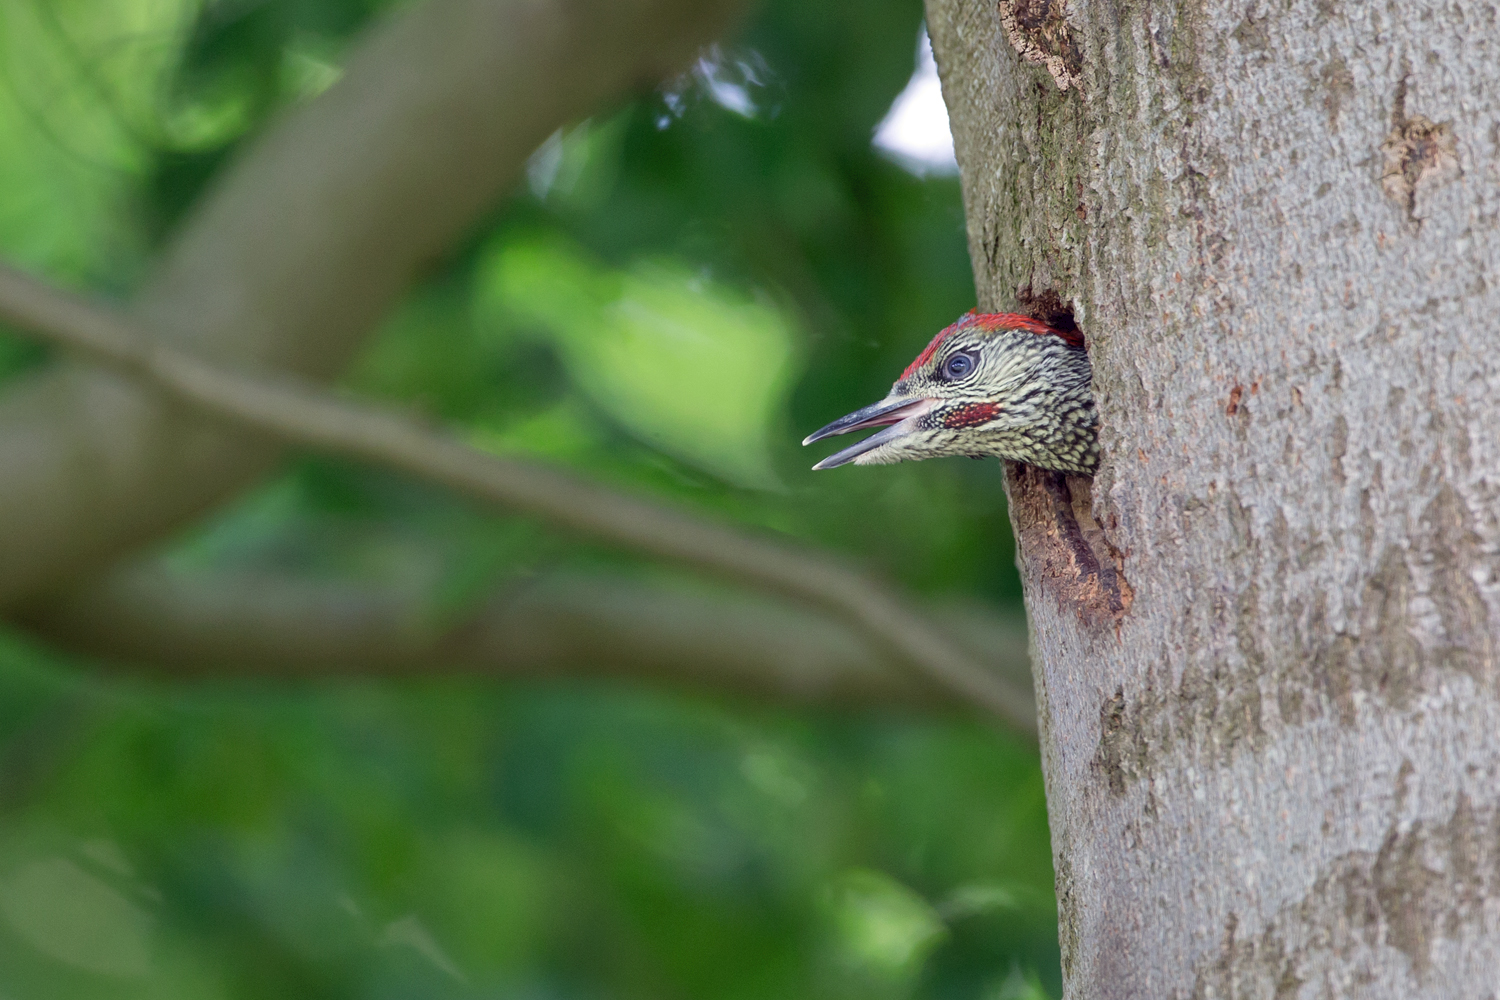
point(915, 131)
point(739, 81)
point(729, 81)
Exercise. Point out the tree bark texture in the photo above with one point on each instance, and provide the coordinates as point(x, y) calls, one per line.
point(1266, 633)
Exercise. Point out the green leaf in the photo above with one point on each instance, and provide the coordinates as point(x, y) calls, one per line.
point(76, 918)
point(884, 927)
point(688, 365)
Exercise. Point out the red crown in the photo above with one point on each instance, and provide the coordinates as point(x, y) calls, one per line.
point(988, 322)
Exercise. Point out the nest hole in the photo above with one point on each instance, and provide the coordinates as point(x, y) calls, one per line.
point(1049, 307)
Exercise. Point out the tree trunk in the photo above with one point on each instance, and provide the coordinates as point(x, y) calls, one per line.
point(1265, 634)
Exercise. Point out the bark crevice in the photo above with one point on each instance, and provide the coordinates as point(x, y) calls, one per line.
point(1066, 547)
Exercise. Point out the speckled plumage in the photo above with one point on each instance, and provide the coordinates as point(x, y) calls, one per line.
point(1026, 396)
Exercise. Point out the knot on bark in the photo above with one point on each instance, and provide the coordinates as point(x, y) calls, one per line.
point(1417, 152)
point(1038, 31)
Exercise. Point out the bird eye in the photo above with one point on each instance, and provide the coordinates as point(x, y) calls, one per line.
point(958, 366)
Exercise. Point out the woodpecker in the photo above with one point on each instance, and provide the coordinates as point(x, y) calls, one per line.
point(991, 384)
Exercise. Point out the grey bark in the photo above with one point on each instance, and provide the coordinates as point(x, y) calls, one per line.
point(1266, 634)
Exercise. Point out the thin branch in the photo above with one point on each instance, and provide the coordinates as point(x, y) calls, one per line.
point(302, 414)
point(556, 626)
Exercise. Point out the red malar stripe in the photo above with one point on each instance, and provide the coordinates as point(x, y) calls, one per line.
point(971, 415)
point(987, 322)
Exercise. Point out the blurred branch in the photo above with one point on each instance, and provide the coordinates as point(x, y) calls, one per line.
point(304, 243)
point(300, 413)
point(550, 627)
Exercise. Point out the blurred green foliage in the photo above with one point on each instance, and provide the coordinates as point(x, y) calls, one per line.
point(685, 286)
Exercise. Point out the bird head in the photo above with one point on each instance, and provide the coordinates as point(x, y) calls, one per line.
point(991, 384)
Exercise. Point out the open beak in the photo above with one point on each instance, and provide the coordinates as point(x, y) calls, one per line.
point(896, 412)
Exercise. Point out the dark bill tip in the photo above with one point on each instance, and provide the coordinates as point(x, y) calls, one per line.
point(870, 443)
point(877, 415)
point(900, 415)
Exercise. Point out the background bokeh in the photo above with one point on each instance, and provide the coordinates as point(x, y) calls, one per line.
point(683, 287)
